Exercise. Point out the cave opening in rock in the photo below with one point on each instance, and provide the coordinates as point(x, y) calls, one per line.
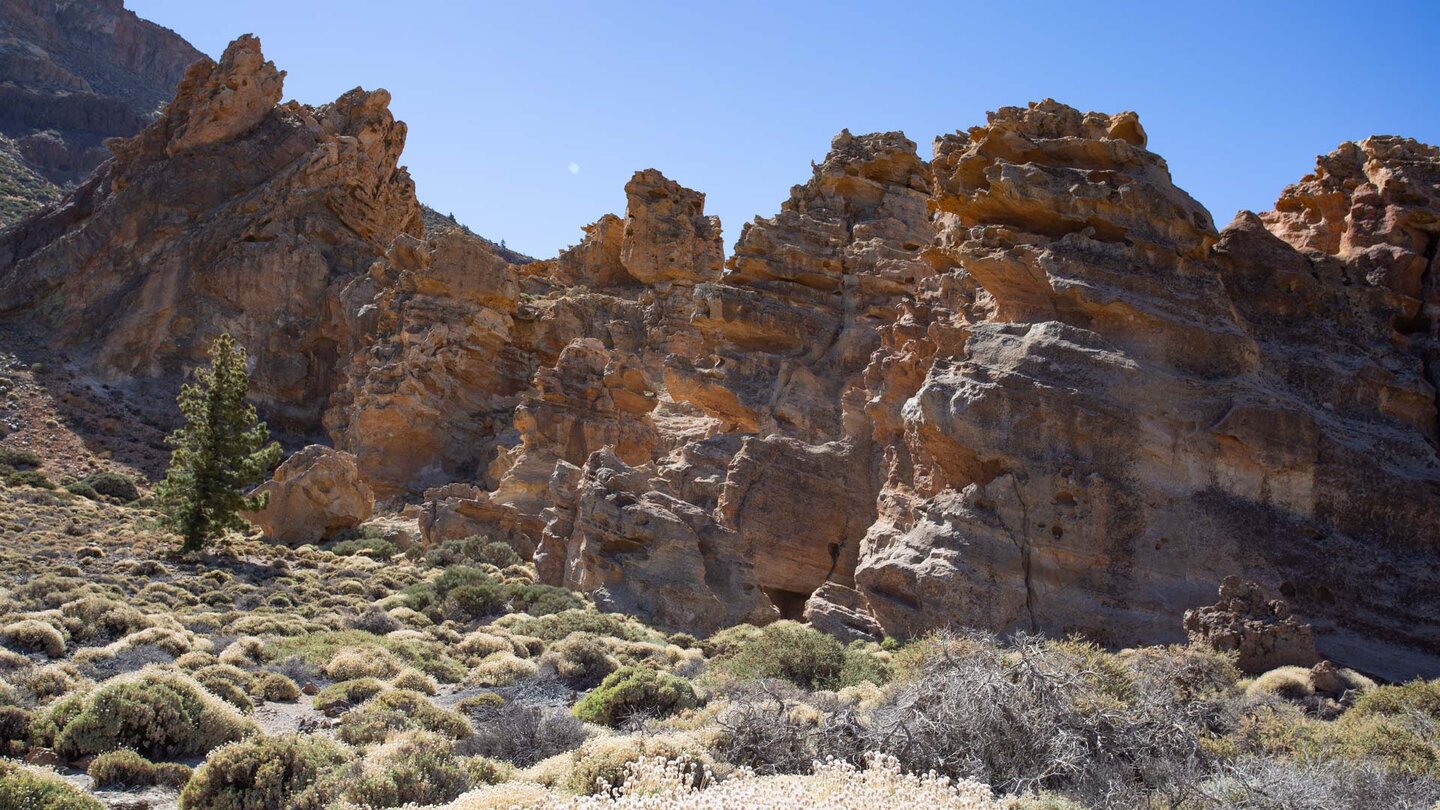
point(791, 604)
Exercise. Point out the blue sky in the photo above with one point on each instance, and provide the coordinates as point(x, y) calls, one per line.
point(526, 118)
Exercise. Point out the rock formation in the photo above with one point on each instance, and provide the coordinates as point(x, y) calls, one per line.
point(1026, 385)
point(1261, 632)
point(71, 75)
point(314, 494)
point(228, 213)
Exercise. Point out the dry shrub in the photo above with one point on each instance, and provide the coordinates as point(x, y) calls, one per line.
point(361, 662)
point(1039, 715)
point(524, 735)
point(1291, 683)
point(34, 636)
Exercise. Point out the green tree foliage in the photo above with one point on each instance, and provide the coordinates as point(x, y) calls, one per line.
point(221, 451)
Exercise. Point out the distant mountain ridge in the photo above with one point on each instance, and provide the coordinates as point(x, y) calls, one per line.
point(73, 74)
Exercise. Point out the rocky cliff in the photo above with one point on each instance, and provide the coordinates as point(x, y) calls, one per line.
point(1023, 385)
point(72, 74)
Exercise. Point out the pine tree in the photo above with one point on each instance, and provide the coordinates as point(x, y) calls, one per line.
point(221, 451)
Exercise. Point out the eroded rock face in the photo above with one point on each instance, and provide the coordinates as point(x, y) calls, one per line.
point(226, 214)
point(1024, 386)
point(1261, 632)
point(314, 494)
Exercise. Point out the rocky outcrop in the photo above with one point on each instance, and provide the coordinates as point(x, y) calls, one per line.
point(425, 399)
point(1026, 385)
point(71, 75)
point(1261, 632)
point(314, 494)
point(226, 214)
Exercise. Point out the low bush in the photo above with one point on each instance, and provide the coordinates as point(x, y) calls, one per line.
point(1291, 683)
point(33, 635)
point(26, 789)
point(155, 713)
point(112, 485)
point(1419, 697)
point(14, 730)
point(788, 651)
point(501, 669)
point(416, 681)
point(633, 691)
point(122, 768)
point(274, 687)
point(399, 710)
point(18, 459)
point(556, 626)
point(415, 768)
point(361, 662)
point(293, 772)
point(28, 478)
point(602, 764)
point(580, 660)
point(373, 547)
point(346, 694)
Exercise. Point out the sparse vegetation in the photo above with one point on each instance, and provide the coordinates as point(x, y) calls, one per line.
point(436, 694)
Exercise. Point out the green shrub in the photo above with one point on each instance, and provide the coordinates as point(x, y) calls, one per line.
point(347, 694)
point(373, 547)
point(18, 459)
point(559, 625)
point(31, 790)
point(273, 687)
point(28, 478)
point(418, 767)
point(112, 485)
point(581, 660)
point(540, 600)
point(788, 651)
point(82, 489)
point(474, 601)
point(122, 768)
point(399, 710)
point(293, 772)
point(1421, 697)
point(158, 714)
point(630, 691)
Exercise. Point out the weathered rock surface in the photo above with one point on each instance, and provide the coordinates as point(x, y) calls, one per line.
point(71, 75)
point(314, 494)
point(1261, 632)
point(1024, 386)
point(226, 214)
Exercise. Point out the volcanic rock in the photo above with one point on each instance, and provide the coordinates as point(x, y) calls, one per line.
point(1261, 632)
point(312, 495)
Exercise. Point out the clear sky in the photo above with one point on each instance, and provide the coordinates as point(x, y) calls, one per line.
point(526, 118)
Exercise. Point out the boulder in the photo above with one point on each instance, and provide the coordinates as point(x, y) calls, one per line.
point(312, 495)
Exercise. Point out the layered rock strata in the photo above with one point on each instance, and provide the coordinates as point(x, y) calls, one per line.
point(1026, 385)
